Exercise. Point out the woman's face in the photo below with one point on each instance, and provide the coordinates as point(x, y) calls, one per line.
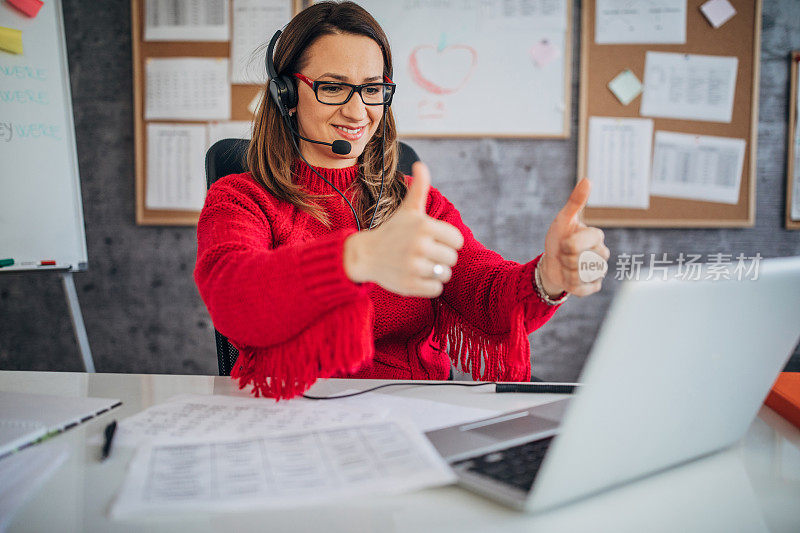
point(352, 59)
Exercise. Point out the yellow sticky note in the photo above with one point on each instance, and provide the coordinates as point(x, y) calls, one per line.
point(11, 40)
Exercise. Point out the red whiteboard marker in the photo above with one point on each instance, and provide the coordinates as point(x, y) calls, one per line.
point(48, 262)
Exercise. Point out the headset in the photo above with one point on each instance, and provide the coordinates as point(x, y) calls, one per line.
point(283, 91)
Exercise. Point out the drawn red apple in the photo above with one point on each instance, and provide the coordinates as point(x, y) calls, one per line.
point(442, 71)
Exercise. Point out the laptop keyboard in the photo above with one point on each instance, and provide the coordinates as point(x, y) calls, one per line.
point(516, 466)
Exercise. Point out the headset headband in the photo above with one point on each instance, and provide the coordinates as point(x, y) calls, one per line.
point(270, 49)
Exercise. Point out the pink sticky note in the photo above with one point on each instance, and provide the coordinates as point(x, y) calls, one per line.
point(718, 12)
point(543, 53)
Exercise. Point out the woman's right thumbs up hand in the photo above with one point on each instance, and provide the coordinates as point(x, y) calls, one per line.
point(402, 254)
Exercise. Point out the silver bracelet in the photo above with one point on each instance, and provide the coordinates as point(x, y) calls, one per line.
point(537, 277)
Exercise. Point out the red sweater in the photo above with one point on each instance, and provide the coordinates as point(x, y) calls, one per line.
point(274, 283)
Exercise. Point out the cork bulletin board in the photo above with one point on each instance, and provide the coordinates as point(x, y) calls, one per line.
point(793, 152)
point(739, 37)
point(241, 96)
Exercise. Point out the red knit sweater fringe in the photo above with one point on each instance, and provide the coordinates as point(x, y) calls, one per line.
point(503, 354)
point(281, 374)
point(273, 280)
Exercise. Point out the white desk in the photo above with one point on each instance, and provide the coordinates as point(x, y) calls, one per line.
point(754, 486)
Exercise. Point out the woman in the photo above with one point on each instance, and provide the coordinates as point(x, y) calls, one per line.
point(303, 294)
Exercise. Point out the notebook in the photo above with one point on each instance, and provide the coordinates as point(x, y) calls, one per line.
point(26, 418)
point(16, 433)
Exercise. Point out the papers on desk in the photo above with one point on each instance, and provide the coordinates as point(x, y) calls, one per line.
point(224, 452)
point(22, 473)
point(186, 20)
point(187, 88)
point(200, 417)
point(287, 469)
point(619, 162)
point(626, 22)
point(254, 21)
point(697, 167)
point(426, 415)
point(689, 86)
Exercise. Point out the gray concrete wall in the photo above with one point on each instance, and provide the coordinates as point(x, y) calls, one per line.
point(140, 304)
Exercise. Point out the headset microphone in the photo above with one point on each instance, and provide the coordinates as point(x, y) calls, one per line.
point(339, 147)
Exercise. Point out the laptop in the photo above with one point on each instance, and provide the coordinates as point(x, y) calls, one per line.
point(679, 370)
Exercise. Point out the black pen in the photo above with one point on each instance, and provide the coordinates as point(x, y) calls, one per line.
point(109, 433)
point(535, 387)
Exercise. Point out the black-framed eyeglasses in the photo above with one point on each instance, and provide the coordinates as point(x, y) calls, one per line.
point(339, 93)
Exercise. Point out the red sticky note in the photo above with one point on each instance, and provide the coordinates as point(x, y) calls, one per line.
point(29, 7)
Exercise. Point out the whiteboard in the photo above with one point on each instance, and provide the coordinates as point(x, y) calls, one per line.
point(479, 67)
point(41, 215)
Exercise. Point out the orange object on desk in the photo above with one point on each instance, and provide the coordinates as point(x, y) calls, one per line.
point(784, 398)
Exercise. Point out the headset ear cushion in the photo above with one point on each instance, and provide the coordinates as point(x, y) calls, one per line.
point(290, 93)
point(276, 93)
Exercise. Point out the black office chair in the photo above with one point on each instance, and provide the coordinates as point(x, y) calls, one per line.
point(228, 157)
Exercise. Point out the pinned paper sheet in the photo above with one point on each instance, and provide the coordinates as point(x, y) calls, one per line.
point(626, 86)
point(697, 167)
point(11, 40)
point(627, 22)
point(29, 7)
point(689, 86)
point(187, 88)
point(544, 53)
point(619, 162)
point(186, 20)
point(718, 12)
point(175, 174)
point(254, 21)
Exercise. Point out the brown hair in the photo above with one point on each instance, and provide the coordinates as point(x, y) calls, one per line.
point(271, 151)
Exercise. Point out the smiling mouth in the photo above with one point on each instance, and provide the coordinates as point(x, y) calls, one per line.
point(351, 133)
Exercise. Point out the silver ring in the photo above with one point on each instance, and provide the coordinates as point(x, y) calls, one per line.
point(438, 270)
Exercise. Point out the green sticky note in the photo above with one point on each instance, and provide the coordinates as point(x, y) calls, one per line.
point(626, 86)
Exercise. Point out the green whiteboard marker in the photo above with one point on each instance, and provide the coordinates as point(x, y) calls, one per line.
point(6, 262)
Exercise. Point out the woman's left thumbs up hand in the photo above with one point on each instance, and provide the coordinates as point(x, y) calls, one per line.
point(567, 241)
